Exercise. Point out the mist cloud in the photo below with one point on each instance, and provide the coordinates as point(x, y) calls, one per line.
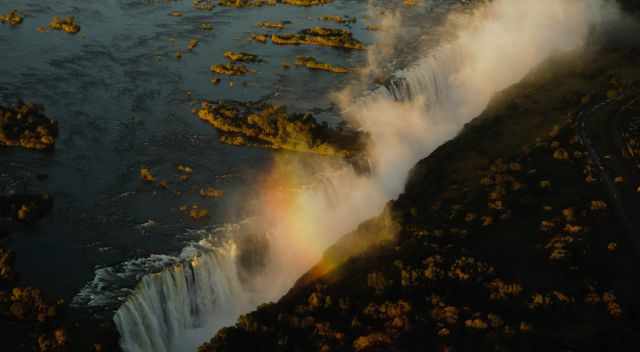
point(493, 47)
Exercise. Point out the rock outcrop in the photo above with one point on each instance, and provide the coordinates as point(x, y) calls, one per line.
point(230, 69)
point(321, 36)
point(24, 208)
point(67, 24)
point(12, 18)
point(266, 125)
point(25, 125)
point(313, 64)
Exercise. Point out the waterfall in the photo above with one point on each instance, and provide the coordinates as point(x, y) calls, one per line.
point(178, 301)
point(178, 308)
point(181, 306)
point(421, 107)
point(429, 78)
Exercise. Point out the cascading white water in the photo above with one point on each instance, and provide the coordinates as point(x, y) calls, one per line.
point(179, 300)
point(420, 108)
point(428, 78)
point(177, 308)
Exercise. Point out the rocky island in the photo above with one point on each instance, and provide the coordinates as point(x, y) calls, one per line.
point(26, 126)
point(12, 18)
point(313, 64)
point(259, 3)
point(67, 24)
point(266, 125)
point(321, 36)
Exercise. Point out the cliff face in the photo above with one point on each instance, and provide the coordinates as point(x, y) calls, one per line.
point(510, 237)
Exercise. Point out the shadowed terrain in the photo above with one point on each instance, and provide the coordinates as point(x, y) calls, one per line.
point(506, 238)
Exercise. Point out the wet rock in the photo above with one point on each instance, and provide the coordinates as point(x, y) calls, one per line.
point(234, 139)
point(25, 125)
point(24, 208)
point(210, 192)
point(313, 64)
point(203, 5)
point(146, 175)
point(247, 3)
point(306, 2)
point(185, 172)
point(241, 57)
point(259, 3)
point(331, 37)
point(271, 25)
point(266, 125)
point(12, 18)
point(230, 69)
point(260, 38)
point(185, 169)
point(195, 212)
point(68, 24)
point(193, 43)
point(339, 19)
point(7, 258)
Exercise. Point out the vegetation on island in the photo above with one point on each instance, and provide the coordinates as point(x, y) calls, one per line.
point(267, 125)
point(25, 125)
point(272, 25)
point(312, 64)
point(67, 24)
point(259, 3)
point(339, 19)
point(321, 36)
point(12, 18)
